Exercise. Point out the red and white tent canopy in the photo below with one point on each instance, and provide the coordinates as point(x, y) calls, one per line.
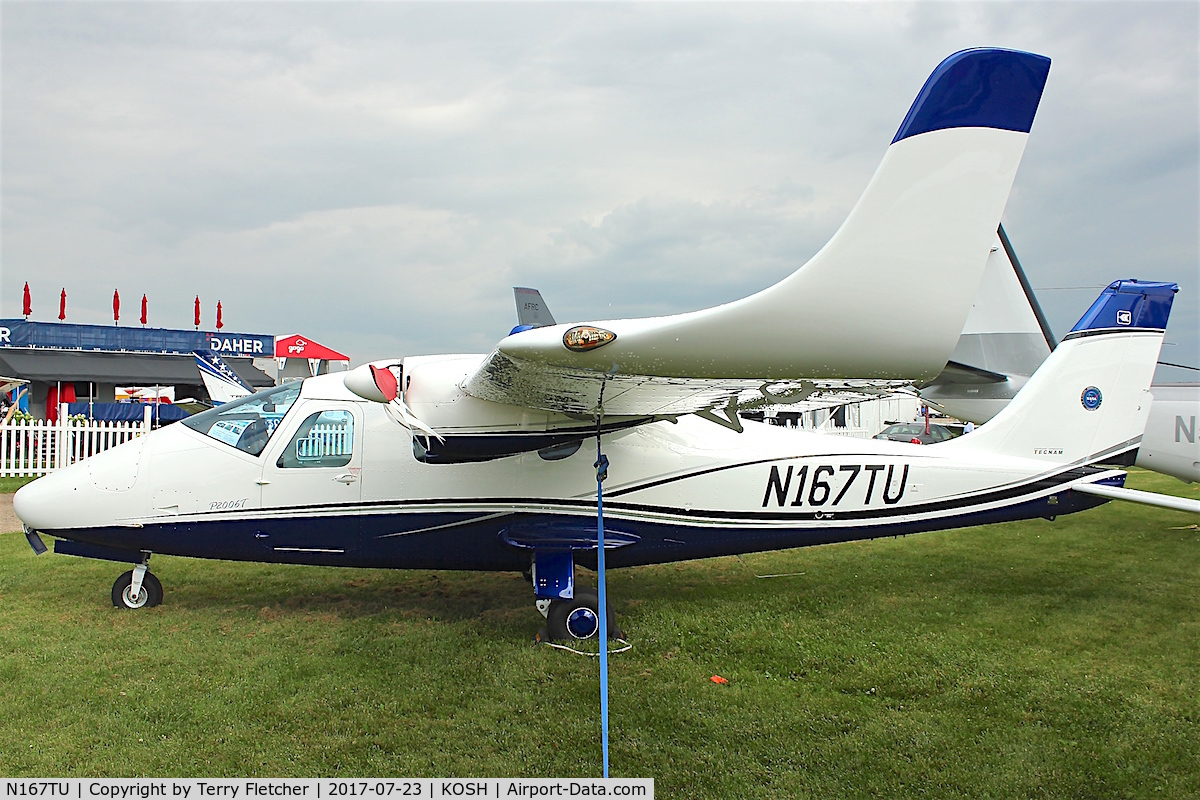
point(297, 346)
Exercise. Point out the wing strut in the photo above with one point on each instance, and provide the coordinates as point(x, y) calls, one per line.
point(601, 466)
point(1133, 495)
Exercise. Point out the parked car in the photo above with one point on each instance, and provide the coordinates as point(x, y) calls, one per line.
point(915, 432)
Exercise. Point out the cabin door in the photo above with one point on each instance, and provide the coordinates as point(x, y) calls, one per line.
point(312, 478)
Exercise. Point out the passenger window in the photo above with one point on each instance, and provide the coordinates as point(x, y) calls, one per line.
point(324, 439)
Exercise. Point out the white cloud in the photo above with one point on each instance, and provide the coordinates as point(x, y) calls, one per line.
point(407, 163)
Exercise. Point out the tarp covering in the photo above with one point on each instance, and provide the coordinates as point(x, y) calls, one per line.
point(119, 368)
point(128, 412)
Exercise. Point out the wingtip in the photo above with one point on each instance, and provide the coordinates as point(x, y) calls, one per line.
point(984, 87)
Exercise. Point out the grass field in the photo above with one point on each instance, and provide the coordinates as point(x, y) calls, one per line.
point(1034, 659)
point(9, 485)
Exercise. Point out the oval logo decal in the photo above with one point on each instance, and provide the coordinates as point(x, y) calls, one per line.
point(585, 337)
point(1091, 398)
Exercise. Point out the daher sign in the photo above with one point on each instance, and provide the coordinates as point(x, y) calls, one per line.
point(112, 338)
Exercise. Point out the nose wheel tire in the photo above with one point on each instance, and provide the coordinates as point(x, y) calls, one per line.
point(579, 619)
point(150, 595)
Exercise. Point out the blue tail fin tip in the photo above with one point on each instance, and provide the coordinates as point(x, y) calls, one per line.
point(1130, 304)
point(979, 88)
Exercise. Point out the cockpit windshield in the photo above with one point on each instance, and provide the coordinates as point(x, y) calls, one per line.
point(249, 422)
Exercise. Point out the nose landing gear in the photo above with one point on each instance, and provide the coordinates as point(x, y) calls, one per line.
point(137, 588)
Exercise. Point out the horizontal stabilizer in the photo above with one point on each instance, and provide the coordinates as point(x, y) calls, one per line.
point(965, 373)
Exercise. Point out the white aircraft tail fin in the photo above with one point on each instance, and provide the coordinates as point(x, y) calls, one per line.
point(220, 381)
point(888, 294)
point(1089, 400)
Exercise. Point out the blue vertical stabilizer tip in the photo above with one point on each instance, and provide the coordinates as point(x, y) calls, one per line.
point(1130, 304)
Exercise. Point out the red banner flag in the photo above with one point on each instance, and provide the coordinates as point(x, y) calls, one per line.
point(27, 308)
point(116, 308)
point(62, 305)
point(219, 323)
point(143, 309)
point(197, 312)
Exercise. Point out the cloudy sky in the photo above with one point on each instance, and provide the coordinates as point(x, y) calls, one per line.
point(377, 176)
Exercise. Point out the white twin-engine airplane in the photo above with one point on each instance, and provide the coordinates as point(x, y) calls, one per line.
point(477, 462)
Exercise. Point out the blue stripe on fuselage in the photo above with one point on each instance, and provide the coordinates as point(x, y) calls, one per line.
point(470, 540)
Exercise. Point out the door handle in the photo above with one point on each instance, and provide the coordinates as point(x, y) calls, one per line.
point(346, 478)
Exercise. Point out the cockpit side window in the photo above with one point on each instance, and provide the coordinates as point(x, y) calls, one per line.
point(247, 423)
point(324, 439)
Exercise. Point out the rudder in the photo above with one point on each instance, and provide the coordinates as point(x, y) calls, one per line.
point(1089, 400)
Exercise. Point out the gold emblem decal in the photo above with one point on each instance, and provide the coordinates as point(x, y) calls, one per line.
point(585, 337)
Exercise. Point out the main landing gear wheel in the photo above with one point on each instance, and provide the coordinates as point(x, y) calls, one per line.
point(579, 619)
point(150, 595)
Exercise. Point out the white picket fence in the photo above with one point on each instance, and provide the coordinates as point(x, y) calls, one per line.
point(324, 441)
point(852, 432)
point(38, 447)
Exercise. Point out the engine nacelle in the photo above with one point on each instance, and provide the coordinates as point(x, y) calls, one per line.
point(470, 429)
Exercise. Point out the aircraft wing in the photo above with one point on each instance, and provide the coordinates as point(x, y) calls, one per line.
point(550, 387)
point(880, 306)
point(886, 299)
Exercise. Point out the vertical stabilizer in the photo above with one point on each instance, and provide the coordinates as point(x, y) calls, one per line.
point(220, 381)
point(1089, 400)
point(531, 308)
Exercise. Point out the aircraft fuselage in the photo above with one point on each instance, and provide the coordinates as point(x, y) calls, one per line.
point(674, 491)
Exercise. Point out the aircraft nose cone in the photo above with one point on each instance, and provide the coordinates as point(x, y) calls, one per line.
point(93, 493)
point(40, 504)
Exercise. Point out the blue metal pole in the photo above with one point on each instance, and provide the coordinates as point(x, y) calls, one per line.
point(601, 473)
